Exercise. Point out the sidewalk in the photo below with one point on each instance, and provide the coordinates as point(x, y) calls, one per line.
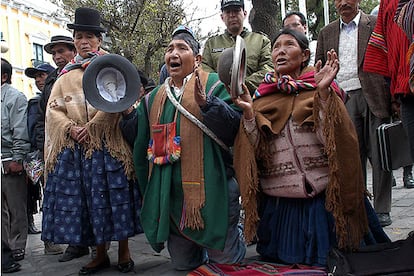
point(147, 262)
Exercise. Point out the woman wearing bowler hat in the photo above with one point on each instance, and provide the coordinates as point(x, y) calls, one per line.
point(91, 196)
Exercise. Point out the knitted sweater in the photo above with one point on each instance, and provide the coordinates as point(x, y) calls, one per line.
point(297, 168)
point(387, 49)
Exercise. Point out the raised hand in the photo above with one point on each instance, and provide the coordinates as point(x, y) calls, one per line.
point(325, 75)
point(200, 96)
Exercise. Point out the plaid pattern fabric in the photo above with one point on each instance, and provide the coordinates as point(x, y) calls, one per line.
point(257, 269)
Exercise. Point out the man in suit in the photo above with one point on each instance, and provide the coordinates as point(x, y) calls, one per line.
point(369, 100)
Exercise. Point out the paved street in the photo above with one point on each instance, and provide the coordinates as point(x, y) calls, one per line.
point(149, 263)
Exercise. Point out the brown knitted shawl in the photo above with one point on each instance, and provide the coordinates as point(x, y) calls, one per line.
point(68, 107)
point(345, 191)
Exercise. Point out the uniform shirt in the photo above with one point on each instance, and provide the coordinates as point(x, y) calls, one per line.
point(258, 55)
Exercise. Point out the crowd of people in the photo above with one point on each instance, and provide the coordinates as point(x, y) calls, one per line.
point(184, 162)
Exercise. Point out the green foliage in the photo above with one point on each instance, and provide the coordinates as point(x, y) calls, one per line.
point(368, 5)
point(315, 13)
point(140, 29)
point(137, 29)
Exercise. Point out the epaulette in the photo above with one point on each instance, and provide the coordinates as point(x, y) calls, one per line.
point(261, 33)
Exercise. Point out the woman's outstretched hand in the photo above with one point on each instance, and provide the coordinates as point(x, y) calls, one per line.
point(325, 75)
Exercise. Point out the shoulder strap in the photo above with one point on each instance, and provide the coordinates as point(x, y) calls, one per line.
point(147, 103)
point(196, 121)
point(212, 88)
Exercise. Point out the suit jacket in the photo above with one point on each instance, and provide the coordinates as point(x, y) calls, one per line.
point(374, 87)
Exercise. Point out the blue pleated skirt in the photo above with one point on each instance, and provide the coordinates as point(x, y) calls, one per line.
point(302, 231)
point(89, 201)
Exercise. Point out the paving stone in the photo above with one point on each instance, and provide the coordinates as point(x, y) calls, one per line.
point(147, 262)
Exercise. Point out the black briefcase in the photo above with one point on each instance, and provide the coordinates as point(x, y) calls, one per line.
point(391, 258)
point(394, 148)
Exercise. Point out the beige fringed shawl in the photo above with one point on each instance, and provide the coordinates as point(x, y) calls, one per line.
point(192, 154)
point(345, 191)
point(68, 107)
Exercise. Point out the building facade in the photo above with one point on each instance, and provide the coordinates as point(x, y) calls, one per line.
point(26, 26)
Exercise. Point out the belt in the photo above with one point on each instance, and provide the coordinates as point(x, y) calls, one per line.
point(354, 91)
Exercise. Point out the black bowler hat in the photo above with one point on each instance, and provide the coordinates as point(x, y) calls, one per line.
point(87, 19)
point(56, 40)
point(111, 83)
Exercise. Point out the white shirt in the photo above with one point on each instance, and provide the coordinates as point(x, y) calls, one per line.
point(312, 48)
point(179, 91)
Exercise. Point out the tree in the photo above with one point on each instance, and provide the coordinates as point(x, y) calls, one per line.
point(136, 29)
point(265, 15)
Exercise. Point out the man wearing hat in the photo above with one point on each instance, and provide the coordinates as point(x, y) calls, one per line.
point(62, 50)
point(257, 45)
point(39, 73)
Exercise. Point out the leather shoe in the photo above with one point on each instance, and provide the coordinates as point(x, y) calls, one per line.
point(408, 181)
point(73, 252)
point(18, 254)
point(91, 270)
point(10, 267)
point(126, 267)
point(32, 229)
point(384, 219)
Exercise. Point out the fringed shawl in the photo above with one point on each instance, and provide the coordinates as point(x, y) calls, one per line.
point(192, 157)
point(345, 191)
point(68, 107)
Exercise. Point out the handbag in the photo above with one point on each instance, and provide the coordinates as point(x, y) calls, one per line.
point(390, 258)
point(34, 165)
point(165, 146)
point(394, 148)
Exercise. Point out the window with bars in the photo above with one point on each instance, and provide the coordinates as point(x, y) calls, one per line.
point(37, 54)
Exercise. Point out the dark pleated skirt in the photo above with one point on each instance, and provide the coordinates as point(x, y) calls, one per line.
point(89, 201)
point(302, 231)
